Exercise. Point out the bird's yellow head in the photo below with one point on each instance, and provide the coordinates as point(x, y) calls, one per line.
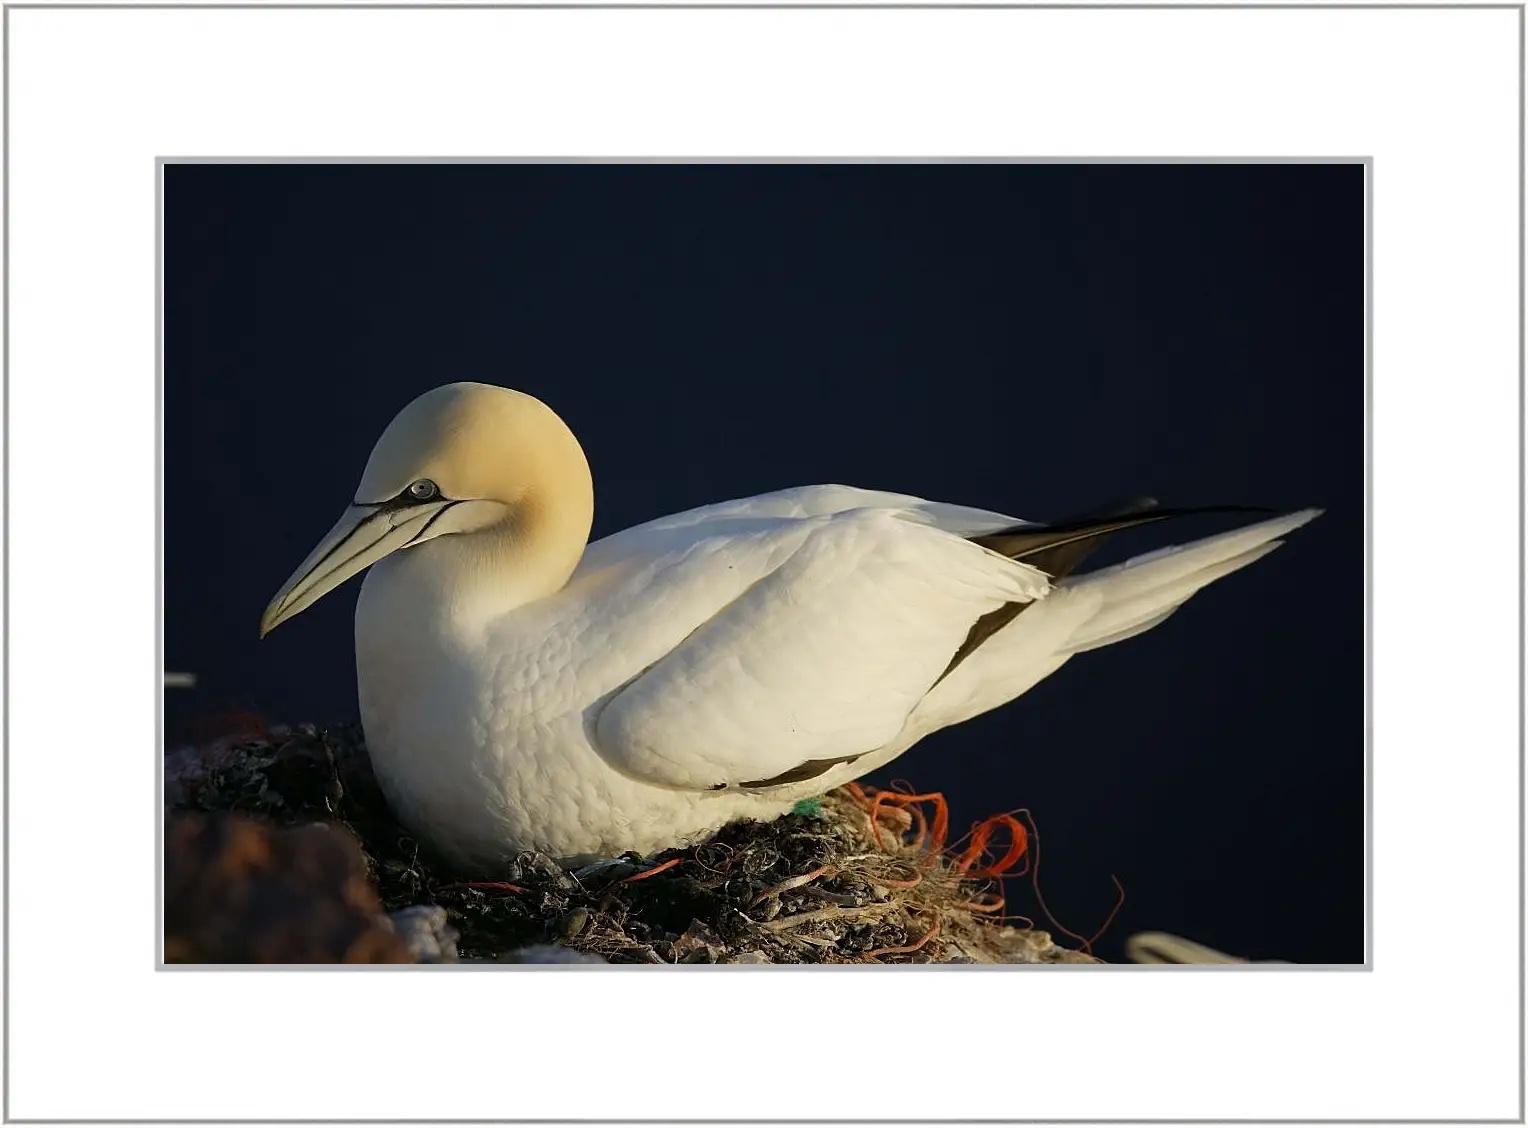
point(461, 459)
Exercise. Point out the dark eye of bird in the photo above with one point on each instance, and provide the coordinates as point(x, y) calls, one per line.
point(423, 490)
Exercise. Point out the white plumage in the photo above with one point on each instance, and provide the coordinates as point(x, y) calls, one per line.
point(520, 690)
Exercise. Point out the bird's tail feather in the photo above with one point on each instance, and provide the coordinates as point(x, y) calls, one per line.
point(1140, 593)
point(1058, 547)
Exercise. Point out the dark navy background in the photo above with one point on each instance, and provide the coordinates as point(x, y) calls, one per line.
point(1032, 339)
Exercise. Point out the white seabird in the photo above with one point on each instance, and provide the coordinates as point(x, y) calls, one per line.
point(523, 689)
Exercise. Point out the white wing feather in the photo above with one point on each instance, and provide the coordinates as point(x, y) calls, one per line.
point(822, 656)
point(679, 529)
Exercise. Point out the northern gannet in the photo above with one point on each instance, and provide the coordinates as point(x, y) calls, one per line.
point(521, 689)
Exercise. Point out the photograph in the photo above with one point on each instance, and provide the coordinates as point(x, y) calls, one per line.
point(589, 517)
point(723, 563)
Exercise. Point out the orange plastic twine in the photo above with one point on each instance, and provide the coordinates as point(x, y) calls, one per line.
point(1020, 857)
point(981, 835)
point(644, 874)
point(1086, 942)
point(499, 885)
point(932, 831)
point(927, 936)
point(930, 839)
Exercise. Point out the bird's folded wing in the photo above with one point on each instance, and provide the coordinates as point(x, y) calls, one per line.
point(793, 504)
point(821, 659)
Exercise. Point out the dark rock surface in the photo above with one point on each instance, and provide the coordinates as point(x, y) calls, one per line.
point(239, 891)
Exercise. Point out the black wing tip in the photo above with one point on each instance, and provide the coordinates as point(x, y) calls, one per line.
point(1149, 510)
point(1112, 510)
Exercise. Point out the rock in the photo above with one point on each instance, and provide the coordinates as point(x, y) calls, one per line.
point(551, 954)
point(1034, 945)
point(241, 891)
point(698, 945)
point(425, 932)
point(573, 923)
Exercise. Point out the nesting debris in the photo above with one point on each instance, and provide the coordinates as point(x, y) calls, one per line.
point(859, 876)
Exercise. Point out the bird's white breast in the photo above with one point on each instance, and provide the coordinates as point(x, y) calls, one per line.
point(478, 722)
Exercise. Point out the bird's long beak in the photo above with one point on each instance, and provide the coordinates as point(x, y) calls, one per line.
point(364, 535)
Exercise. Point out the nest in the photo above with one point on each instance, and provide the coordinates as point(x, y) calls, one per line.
point(858, 876)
